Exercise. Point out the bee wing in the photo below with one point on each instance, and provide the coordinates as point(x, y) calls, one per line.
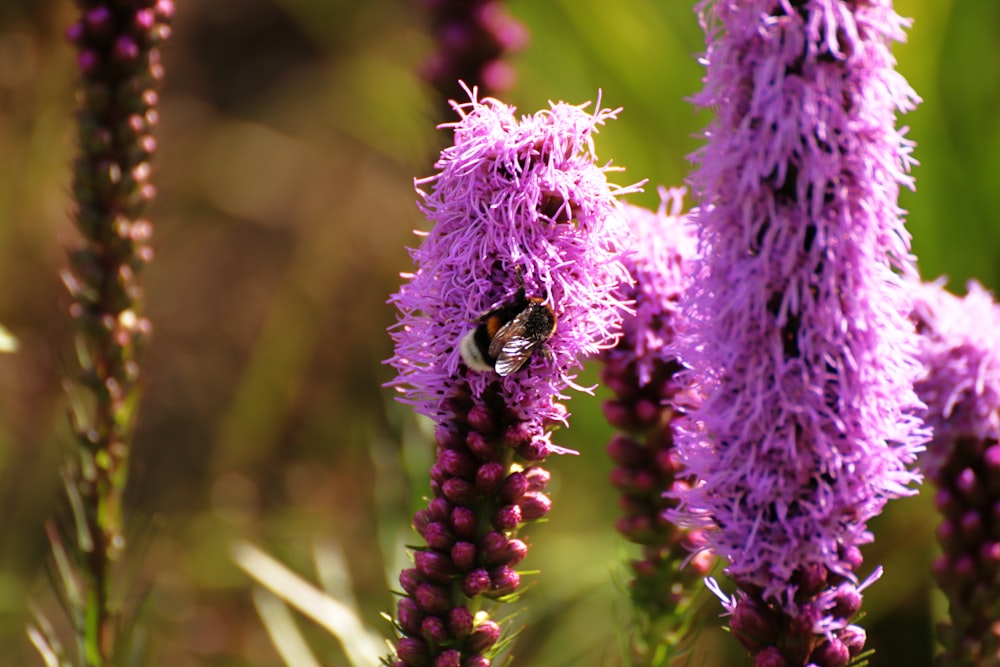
point(514, 354)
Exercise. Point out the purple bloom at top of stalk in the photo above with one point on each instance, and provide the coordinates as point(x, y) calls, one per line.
point(799, 313)
point(664, 244)
point(515, 202)
point(961, 355)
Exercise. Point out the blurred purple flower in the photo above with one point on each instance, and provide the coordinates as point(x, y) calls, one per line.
point(472, 38)
point(642, 371)
point(520, 212)
point(799, 313)
point(960, 348)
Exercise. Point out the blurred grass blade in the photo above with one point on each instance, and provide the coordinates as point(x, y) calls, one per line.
point(67, 578)
point(331, 568)
point(43, 636)
point(362, 647)
point(8, 343)
point(280, 626)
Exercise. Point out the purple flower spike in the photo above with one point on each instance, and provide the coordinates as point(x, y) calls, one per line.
point(642, 371)
point(799, 332)
point(473, 37)
point(961, 387)
point(514, 285)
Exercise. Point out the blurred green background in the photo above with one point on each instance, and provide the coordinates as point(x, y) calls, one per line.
point(291, 132)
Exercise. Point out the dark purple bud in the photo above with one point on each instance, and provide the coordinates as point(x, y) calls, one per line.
point(941, 569)
point(504, 579)
point(811, 579)
point(754, 625)
point(439, 509)
point(513, 487)
point(463, 554)
point(409, 616)
point(668, 462)
point(457, 463)
point(481, 419)
point(476, 661)
point(992, 459)
point(518, 435)
point(534, 506)
point(431, 598)
point(493, 546)
point(770, 657)
point(944, 501)
point(854, 638)
point(506, 517)
point(479, 445)
point(964, 567)
point(438, 536)
point(458, 491)
point(413, 651)
point(434, 630)
point(831, 653)
point(619, 415)
point(126, 50)
point(535, 449)
point(409, 579)
point(946, 533)
point(538, 478)
point(449, 658)
point(626, 451)
point(852, 556)
point(484, 636)
point(476, 583)
point(460, 621)
point(966, 482)
point(144, 21)
point(972, 526)
point(98, 20)
point(434, 565)
point(516, 551)
point(88, 61)
point(488, 477)
point(847, 603)
point(989, 554)
point(75, 33)
point(463, 523)
point(447, 437)
point(647, 411)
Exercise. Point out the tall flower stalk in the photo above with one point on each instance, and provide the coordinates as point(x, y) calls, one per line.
point(801, 338)
point(118, 45)
point(525, 224)
point(961, 388)
point(642, 371)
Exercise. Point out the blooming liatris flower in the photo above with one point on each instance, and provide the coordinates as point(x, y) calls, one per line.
point(642, 371)
point(527, 230)
point(472, 38)
point(960, 349)
point(801, 340)
point(118, 58)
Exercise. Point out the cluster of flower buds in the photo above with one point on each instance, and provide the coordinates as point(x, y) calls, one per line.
point(648, 395)
point(480, 502)
point(961, 388)
point(119, 59)
point(472, 38)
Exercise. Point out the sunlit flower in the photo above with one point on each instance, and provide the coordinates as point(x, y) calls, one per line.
point(527, 230)
point(799, 311)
